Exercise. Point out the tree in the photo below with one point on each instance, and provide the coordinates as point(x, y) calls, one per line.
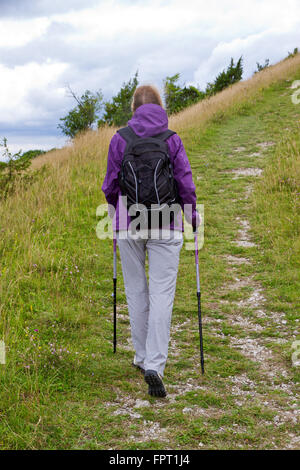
point(118, 111)
point(226, 78)
point(177, 98)
point(190, 95)
point(84, 115)
point(261, 67)
point(293, 54)
point(171, 93)
point(32, 153)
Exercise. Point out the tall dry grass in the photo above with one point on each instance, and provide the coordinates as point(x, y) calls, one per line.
point(94, 144)
point(199, 114)
point(87, 155)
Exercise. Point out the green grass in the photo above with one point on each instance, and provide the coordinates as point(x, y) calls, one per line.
point(62, 385)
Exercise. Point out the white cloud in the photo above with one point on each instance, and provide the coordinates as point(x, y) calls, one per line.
point(114, 18)
point(19, 33)
point(101, 44)
point(254, 48)
point(18, 82)
point(226, 19)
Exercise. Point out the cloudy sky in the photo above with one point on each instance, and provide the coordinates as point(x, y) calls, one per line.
point(98, 44)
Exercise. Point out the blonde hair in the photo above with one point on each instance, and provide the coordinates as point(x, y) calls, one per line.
point(145, 94)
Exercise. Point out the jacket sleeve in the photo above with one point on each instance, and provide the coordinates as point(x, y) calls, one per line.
point(110, 185)
point(185, 184)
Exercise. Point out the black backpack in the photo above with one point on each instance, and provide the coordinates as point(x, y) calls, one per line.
point(146, 176)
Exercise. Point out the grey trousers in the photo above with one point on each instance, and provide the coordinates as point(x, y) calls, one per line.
point(150, 305)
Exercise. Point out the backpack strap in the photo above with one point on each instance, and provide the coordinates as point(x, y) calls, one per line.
point(128, 134)
point(164, 135)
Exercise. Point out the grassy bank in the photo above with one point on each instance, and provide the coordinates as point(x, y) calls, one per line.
point(63, 388)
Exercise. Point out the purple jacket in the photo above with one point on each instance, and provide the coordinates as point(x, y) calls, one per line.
point(149, 120)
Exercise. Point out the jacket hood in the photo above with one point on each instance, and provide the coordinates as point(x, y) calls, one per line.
point(148, 120)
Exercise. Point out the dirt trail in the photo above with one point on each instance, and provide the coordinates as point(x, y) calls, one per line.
point(253, 344)
point(250, 340)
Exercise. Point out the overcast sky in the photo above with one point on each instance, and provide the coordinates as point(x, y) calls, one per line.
point(99, 44)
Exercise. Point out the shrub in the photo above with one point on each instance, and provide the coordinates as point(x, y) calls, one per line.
point(293, 54)
point(32, 153)
point(261, 67)
point(177, 98)
point(118, 112)
point(226, 78)
point(13, 170)
point(82, 117)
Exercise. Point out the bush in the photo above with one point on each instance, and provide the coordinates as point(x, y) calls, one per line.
point(293, 54)
point(177, 98)
point(118, 112)
point(13, 170)
point(262, 67)
point(226, 78)
point(32, 153)
point(82, 117)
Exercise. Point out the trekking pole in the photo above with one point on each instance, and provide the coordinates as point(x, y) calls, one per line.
point(199, 300)
point(115, 295)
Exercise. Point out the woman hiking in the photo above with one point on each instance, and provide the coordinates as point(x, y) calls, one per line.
point(150, 303)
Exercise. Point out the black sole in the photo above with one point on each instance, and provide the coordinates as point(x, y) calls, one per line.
point(156, 386)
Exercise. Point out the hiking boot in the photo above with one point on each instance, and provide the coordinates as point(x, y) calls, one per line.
point(155, 382)
point(140, 368)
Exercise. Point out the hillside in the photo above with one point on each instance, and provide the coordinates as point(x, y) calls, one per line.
point(63, 388)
